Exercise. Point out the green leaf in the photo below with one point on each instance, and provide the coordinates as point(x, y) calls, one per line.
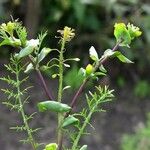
point(9, 41)
point(29, 68)
point(25, 52)
point(31, 45)
point(108, 53)
point(82, 72)
point(22, 33)
point(101, 68)
point(67, 65)
point(44, 52)
point(53, 106)
point(121, 57)
point(84, 147)
point(70, 120)
point(100, 74)
point(51, 146)
point(66, 87)
point(54, 76)
point(121, 33)
point(93, 54)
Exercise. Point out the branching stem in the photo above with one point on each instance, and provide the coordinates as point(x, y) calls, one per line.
point(33, 143)
point(79, 91)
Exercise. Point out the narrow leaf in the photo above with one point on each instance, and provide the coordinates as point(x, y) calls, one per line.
point(122, 58)
point(44, 52)
point(29, 68)
point(66, 87)
point(84, 147)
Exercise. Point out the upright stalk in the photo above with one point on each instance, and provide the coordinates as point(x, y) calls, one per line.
point(33, 143)
point(86, 122)
point(60, 89)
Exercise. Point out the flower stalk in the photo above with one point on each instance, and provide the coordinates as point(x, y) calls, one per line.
point(60, 89)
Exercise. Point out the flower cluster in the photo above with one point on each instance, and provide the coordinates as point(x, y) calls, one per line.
point(9, 27)
point(126, 33)
point(67, 34)
point(134, 31)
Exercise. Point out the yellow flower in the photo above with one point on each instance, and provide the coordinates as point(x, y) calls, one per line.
point(9, 27)
point(120, 25)
point(67, 34)
point(134, 31)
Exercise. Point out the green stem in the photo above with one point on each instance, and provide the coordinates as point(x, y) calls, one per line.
point(79, 91)
point(33, 143)
point(86, 122)
point(75, 144)
point(60, 89)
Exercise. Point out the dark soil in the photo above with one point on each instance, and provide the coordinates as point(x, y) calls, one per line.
point(123, 115)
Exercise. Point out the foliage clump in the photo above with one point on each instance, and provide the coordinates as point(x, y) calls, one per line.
point(70, 123)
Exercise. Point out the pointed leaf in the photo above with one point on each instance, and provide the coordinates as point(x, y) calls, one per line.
point(66, 87)
point(70, 120)
point(44, 52)
point(82, 72)
point(9, 41)
point(25, 52)
point(84, 147)
point(108, 53)
point(67, 65)
point(100, 74)
point(54, 76)
point(101, 68)
point(93, 54)
point(29, 68)
point(121, 57)
point(121, 33)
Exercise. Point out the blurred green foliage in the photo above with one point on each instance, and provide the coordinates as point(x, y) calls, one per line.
point(73, 78)
point(93, 20)
point(142, 89)
point(138, 141)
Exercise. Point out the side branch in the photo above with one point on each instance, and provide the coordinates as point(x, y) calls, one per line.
point(44, 84)
point(79, 91)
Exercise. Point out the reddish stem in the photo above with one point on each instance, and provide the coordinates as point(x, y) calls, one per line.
point(74, 100)
point(44, 85)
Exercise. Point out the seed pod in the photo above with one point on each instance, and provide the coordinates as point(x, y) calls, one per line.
point(70, 120)
point(53, 106)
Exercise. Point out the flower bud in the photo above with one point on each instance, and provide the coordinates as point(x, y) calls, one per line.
point(10, 27)
point(89, 69)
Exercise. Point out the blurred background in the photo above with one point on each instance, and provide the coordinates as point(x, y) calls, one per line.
point(126, 124)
